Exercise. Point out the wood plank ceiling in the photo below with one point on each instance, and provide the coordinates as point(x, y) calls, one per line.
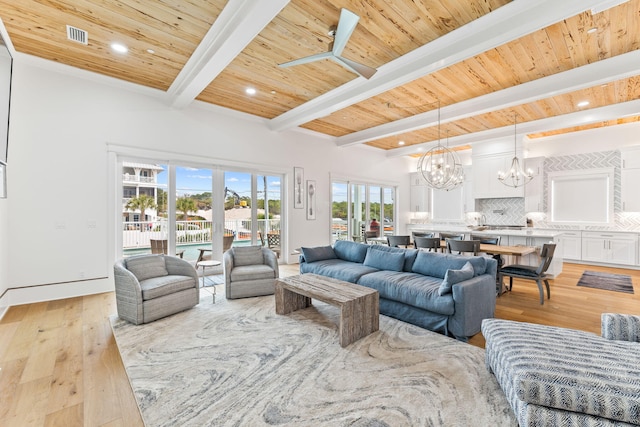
point(163, 35)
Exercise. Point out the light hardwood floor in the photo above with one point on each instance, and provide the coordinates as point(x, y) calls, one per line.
point(60, 366)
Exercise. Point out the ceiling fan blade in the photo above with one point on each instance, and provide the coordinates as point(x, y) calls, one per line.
point(364, 70)
point(307, 59)
point(346, 25)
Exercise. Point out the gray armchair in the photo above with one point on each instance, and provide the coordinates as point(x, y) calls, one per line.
point(249, 271)
point(149, 287)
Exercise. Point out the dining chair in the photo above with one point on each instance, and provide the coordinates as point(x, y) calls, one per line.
point(427, 243)
point(452, 236)
point(161, 247)
point(529, 272)
point(397, 241)
point(273, 242)
point(463, 246)
point(486, 240)
point(370, 235)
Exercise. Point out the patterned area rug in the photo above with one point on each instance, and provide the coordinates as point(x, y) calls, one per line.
point(237, 363)
point(607, 281)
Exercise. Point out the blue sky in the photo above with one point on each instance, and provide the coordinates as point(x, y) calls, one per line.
point(196, 181)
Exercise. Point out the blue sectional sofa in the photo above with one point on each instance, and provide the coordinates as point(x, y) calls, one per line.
point(445, 293)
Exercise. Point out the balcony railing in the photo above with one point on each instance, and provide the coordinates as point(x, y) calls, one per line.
point(135, 178)
point(139, 234)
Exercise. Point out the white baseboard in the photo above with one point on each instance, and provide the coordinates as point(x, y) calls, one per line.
point(40, 293)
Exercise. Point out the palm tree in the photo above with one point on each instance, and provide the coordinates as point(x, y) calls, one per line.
point(142, 202)
point(185, 205)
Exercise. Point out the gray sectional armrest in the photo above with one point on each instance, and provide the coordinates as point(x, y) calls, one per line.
point(620, 327)
point(475, 300)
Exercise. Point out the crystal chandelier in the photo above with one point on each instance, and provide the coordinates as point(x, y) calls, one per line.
point(516, 176)
point(440, 166)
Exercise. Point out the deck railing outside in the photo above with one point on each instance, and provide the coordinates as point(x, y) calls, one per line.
point(138, 234)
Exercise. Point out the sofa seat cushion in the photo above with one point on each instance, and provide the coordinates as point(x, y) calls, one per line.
point(164, 285)
point(566, 369)
point(436, 264)
point(252, 272)
point(338, 269)
point(147, 266)
point(410, 288)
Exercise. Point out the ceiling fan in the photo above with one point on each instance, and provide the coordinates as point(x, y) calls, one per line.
point(346, 25)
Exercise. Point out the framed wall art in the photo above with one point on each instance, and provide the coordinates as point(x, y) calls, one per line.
point(298, 188)
point(311, 199)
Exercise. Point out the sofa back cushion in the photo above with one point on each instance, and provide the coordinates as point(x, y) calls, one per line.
point(147, 266)
point(408, 254)
point(319, 253)
point(436, 264)
point(247, 255)
point(350, 251)
point(384, 260)
point(451, 277)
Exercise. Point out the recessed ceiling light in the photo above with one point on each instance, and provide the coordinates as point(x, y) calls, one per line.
point(120, 48)
point(250, 91)
point(151, 51)
point(592, 30)
point(400, 142)
point(583, 103)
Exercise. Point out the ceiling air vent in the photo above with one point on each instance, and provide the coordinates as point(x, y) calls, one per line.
point(77, 35)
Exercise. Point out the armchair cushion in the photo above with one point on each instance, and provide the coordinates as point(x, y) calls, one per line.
point(252, 272)
point(247, 255)
point(451, 277)
point(160, 286)
point(318, 254)
point(147, 267)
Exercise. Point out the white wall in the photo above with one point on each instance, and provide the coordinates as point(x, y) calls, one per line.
point(59, 179)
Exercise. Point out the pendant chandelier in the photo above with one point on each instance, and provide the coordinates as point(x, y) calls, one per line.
point(516, 176)
point(440, 166)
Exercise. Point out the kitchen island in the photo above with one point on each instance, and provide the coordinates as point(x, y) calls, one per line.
point(508, 236)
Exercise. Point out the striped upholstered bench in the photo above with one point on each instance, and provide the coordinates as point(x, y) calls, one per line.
point(561, 377)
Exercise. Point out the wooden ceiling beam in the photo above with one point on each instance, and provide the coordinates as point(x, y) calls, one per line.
point(238, 24)
point(505, 24)
point(579, 118)
point(601, 72)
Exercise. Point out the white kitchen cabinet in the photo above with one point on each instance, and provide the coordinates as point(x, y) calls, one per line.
point(447, 205)
point(485, 177)
point(630, 177)
point(610, 248)
point(420, 195)
point(572, 245)
point(630, 199)
point(533, 201)
point(467, 190)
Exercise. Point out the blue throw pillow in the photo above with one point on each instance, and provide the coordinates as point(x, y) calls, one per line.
point(318, 254)
point(350, 251)
point(436, 264)
point(452, 277)
point(383, 260)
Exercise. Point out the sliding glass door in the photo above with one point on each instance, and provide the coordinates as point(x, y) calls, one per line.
point(198, 212)
point(355, 205)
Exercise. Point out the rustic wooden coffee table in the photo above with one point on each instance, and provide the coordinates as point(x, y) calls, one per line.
point(359, 305)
